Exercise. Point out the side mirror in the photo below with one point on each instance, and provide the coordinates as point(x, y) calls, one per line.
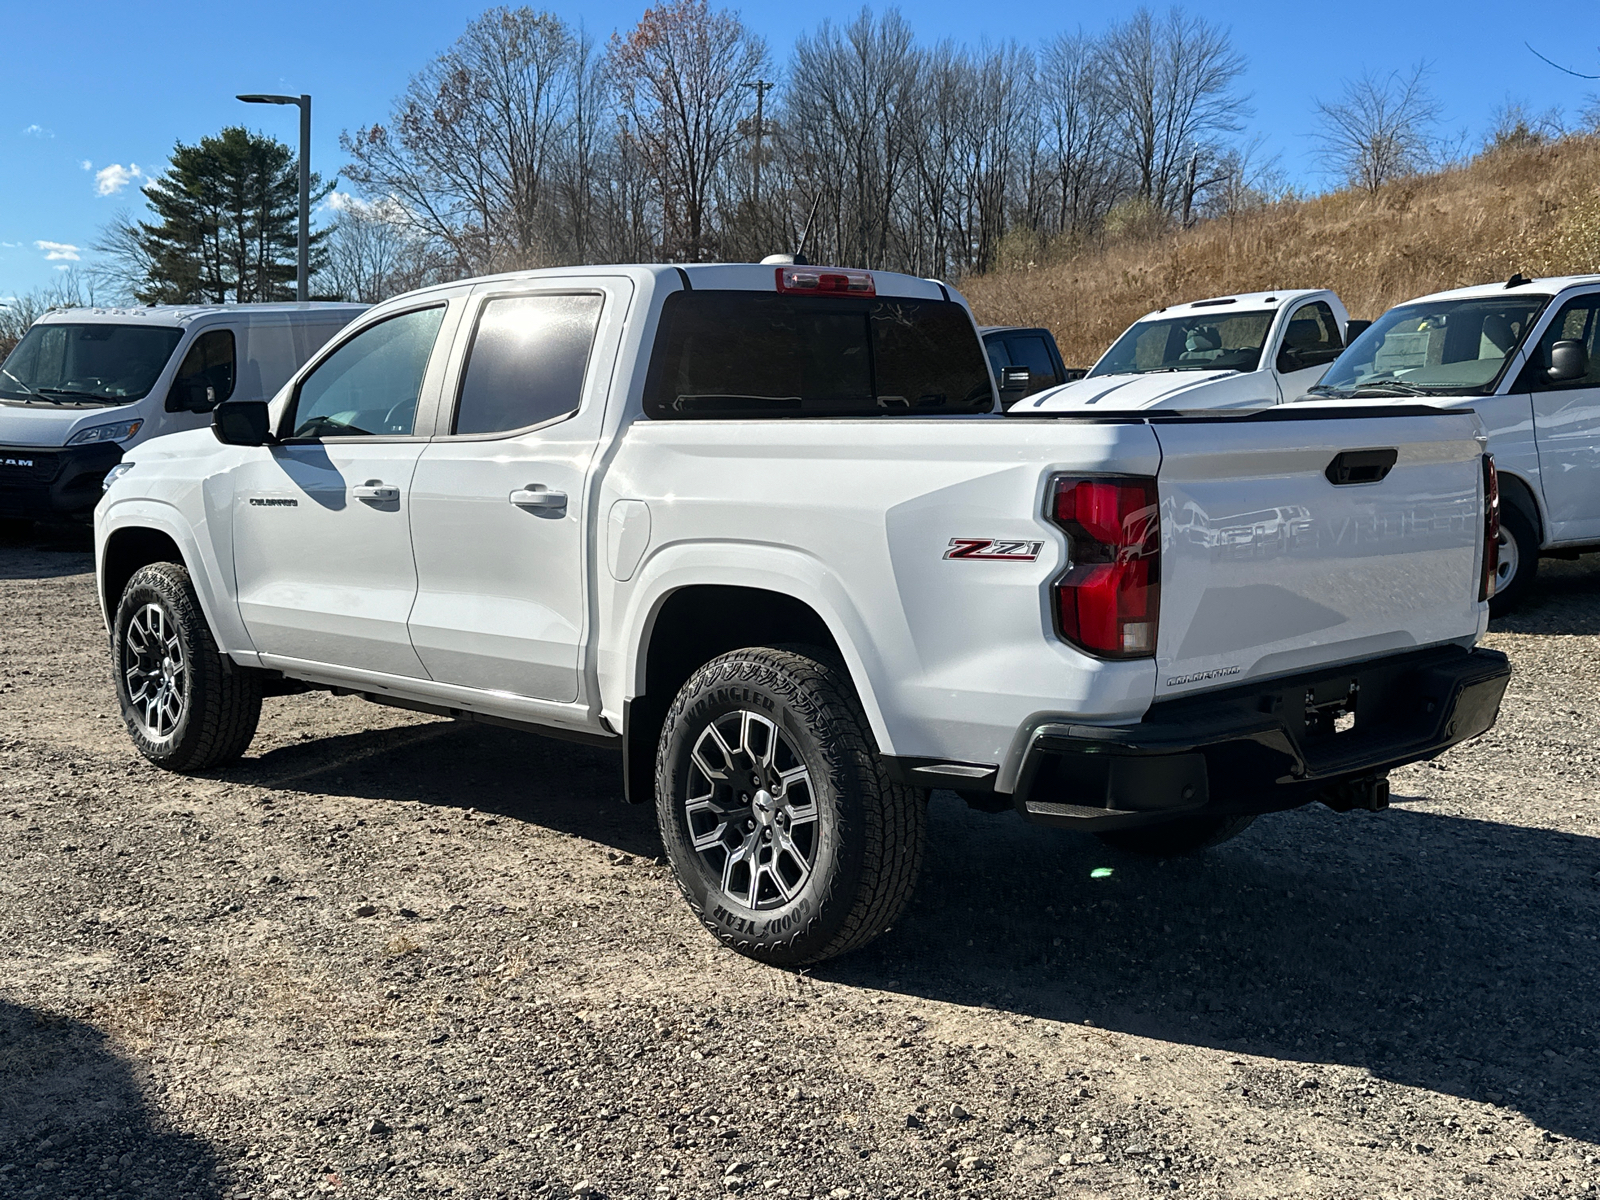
point(1568, 361)
point(1015, 379)
point(191, 395)
point(242, 423)
point(1354, 329)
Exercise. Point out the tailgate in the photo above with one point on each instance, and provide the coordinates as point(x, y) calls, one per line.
point(1269, 567)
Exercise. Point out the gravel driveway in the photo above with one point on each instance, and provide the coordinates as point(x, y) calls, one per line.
point(388, 955)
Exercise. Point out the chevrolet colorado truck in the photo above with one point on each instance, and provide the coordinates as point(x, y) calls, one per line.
point(1227, 352)
point(1524, 355)
point(756, 529)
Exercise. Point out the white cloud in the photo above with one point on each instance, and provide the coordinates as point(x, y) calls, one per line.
point(108, 181)
point(86, 165)
point(38, 131)
point(55, 250)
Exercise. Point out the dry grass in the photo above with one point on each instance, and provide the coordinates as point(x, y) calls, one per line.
point(1531, 210)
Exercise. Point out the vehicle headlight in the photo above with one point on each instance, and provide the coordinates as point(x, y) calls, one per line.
point(116, 473)
point(120, 432)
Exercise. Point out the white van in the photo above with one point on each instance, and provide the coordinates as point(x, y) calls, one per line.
point(85, 385)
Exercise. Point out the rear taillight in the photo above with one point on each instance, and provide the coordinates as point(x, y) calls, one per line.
point(825, 281)
point(1108, 601)
point(1491, 528)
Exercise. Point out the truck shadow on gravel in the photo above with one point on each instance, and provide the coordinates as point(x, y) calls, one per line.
point(52, 554)
point(73, 1121)
point(1454, 955)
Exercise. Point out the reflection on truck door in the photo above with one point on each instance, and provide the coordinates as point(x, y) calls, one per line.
point(1566, 417)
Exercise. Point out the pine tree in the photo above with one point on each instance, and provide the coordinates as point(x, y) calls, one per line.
point(227, 222)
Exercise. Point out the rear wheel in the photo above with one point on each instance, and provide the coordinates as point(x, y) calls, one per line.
point(787, 838)
point(1172, 839)
point(186, 705)
point(1519, 560)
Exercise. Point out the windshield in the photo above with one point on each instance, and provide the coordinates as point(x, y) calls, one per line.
point(1198, 342)
point(87, 364)
point(1443, 347)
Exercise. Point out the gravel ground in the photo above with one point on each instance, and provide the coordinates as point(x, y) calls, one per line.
point(393, 956)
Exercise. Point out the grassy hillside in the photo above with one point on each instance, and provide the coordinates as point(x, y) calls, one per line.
point(1534, 210)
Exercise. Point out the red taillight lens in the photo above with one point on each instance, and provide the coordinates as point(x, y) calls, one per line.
point(1109, 600)
point(1491, 528)
point(826, 281)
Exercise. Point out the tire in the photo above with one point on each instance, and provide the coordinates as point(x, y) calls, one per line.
point(1519, 560)
point(187, 706)
point(1173, 839)
point(788, 839)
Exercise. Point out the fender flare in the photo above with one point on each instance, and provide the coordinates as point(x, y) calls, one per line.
point(772, 568)
point(211, 581)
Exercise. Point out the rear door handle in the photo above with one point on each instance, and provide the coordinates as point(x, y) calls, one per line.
point(538, 496)
point(376, 490)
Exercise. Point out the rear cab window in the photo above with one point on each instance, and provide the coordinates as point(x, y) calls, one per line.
point(745, 354)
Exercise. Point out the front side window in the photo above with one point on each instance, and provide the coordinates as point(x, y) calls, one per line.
point(752, 354)
point(1028, 350)
point(1578, 321)
point(1312, 338)
point(1438, 348)
point(369, 386)
point(527, 361)
point(207, 371)
point(1199, 342)
point(88, 363)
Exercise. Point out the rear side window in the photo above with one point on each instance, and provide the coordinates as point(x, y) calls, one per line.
point(526, 363)
point(753, 354)
point(208, 364)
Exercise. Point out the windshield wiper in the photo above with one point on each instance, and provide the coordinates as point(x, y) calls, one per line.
point(25, 388)
point(43, 392)
point(1391, 387)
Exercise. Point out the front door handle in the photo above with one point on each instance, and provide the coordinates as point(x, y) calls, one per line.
point(376, 490)
point(537, 496)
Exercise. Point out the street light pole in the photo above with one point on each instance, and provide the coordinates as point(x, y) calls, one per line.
point(302, 278)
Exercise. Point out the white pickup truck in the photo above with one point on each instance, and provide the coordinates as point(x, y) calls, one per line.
point(1525, 355)
point(1227, 352)
point(754, 528)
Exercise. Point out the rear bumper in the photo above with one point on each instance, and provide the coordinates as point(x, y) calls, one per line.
point(1266, 746)
point(54, 483)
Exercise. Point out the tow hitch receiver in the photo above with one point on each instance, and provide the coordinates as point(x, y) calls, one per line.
point(1370, 792)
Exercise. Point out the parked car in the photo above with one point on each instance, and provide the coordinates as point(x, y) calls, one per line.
point(1031, 348)
point(86, 385)
point(753, 528)
point(1227, 352)
point(1524, 355)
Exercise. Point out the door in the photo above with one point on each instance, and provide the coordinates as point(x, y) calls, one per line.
point(322, 541)
point(498, 508)
point(1566, 421)
point(1311, 341)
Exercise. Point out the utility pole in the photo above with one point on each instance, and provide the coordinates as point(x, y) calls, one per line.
point(762, 87)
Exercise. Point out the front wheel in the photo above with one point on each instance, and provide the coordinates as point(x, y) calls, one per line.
point(1519, 560)
point(787, 838)
point(1173, 839)
point(186, 705)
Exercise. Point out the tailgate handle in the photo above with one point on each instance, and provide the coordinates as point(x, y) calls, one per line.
point(1360, 466)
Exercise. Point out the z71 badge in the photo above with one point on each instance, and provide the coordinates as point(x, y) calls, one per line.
point(988, 548)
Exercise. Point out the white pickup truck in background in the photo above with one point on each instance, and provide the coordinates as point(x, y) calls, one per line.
point(1525, 356)
point(754, 528)
point(1228, 352)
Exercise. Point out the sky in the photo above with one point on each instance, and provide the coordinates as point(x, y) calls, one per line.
point(93, 95)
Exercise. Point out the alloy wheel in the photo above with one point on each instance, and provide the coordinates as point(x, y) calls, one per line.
point(156, 672)
point(751, 810)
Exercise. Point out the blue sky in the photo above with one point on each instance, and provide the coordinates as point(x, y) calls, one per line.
point(91, 90)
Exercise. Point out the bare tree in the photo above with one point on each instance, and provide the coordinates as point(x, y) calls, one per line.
point(1516, 127)
point(469, 152)
point(1380, 129)
point(123, 262)
point(1079, 124)
point(680, 76)
point(1171, 82)
point(374, 251)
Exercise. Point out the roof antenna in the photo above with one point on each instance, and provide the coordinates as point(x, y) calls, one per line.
point(800, 259)
point(1517, 281)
